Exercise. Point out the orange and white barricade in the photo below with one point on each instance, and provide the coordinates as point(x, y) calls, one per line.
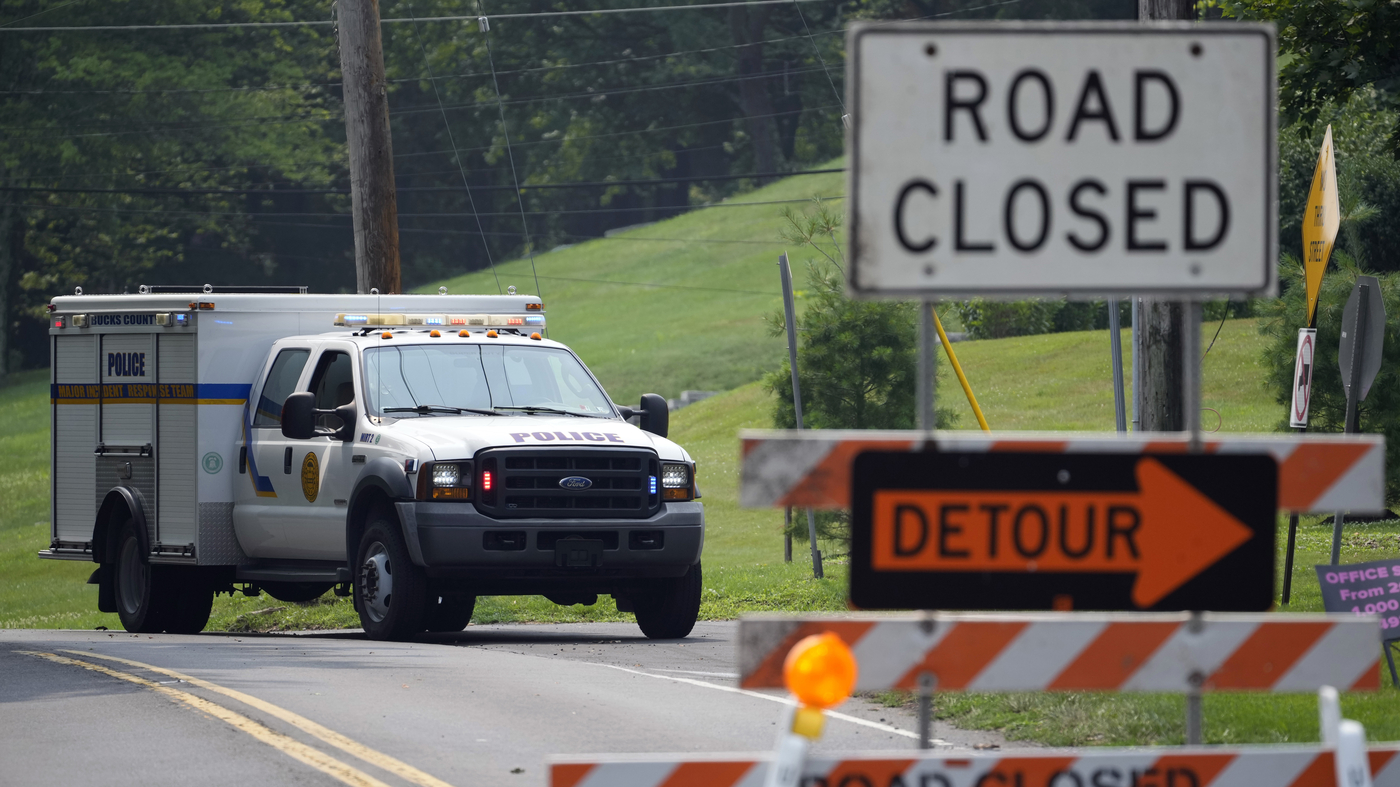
point(812, 469)
point(1244, 766)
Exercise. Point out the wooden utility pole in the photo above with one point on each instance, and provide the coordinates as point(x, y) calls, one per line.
point(374, 204)
point(1161, 337)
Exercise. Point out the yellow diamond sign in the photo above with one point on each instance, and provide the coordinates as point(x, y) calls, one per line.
point(1320, 222)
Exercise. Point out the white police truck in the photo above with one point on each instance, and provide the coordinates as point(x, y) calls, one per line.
point(416, 451)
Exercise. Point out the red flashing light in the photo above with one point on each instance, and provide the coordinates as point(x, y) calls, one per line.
point(515, 321)
point(486, 480)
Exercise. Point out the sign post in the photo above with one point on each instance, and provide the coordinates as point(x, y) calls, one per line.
point(1359, 356)
point(1321, 219)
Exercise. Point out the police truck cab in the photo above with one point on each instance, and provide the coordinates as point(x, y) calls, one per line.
point(414, 451)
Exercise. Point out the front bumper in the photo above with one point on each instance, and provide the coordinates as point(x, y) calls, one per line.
point(456, 536)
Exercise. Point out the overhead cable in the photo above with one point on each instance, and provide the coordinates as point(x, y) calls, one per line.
point(270, 192)
point(328, 23)
point(461, 168)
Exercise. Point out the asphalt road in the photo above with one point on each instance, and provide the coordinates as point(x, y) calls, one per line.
point(483, 707)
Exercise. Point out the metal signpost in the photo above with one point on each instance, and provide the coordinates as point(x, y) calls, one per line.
point(951, 530)
point(1321, 219)
point(790, 317)
point(1359, 356)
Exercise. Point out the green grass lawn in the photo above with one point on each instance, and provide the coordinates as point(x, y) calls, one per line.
point(704, 329)
point(684, 313)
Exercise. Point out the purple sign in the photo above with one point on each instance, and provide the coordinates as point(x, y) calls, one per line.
point(1364, 589)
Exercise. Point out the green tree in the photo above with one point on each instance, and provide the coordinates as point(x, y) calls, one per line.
point(1327, 412)
point(1329, 52)
point(857, 360)
point(102, 130)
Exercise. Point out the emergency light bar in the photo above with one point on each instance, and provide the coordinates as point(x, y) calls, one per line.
point(441, 320)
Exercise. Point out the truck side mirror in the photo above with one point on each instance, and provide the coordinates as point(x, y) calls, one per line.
point(346, 414)
point(656, 416)
point(299, 419)
point(299, 416)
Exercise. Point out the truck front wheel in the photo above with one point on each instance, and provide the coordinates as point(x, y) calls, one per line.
point(669, 608)
point(448, 612)
point(390, 592)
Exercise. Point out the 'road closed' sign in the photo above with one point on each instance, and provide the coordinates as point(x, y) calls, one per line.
point(1063, 158)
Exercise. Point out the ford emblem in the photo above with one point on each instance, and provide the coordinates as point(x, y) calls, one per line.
point(575, 482)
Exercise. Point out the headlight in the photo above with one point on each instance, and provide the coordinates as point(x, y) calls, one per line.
point(675, 482)
point(445, 481)
point(446, 475)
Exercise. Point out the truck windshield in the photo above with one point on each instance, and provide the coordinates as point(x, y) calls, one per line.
point(522, 381)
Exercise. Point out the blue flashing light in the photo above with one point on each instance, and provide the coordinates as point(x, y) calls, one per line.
point(534, 320)
point(181, 319)
point(434, 321)
point(653, 485)
point(356, 319)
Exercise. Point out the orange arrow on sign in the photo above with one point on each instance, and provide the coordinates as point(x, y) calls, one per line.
point(1166, 532)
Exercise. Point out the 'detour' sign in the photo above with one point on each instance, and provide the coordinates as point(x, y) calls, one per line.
point(1062, 531)
point(1062, 157)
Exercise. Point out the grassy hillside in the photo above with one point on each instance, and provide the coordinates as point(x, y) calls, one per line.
point(683, 312)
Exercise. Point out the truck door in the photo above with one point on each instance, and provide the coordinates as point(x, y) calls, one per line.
point(271, 486)
point(323, 465)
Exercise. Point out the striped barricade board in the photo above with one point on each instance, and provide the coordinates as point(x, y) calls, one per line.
point(812, 469)
point(1082, 651)
point(1244, 766)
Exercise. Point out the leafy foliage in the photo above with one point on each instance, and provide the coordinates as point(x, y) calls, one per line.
point(1331, 51)
point(1327, 413)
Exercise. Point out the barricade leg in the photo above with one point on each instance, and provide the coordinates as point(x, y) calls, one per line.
point(1389, 648)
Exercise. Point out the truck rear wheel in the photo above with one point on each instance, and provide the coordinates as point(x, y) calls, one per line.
point(448, 612)
point(140, 594)
point(390, 592)
point(669, 608)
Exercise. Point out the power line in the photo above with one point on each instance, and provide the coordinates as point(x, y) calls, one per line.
point(680, 208)
point(616, 91)
point(485, 26)
point(574, 236)
point(667, 286)
point(609, 135)
point(328, 23)
point(461, 168)
point(433, 189)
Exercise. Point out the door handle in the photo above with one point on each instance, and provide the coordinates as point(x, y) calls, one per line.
point(287, 461)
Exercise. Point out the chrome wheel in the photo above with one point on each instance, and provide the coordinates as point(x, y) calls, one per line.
point(377, 581)
point(131, 577)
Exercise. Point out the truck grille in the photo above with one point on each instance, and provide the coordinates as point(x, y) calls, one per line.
point(526, 483)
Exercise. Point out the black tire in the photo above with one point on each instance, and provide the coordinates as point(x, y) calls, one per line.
point(390, 592)
point(191, 599)
point(296, 592)
point(448, 612)
point(140, 595)
point(669, 607)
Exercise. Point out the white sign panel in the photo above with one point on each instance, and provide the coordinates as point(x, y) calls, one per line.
point(1302, 377)
point(1077, 158)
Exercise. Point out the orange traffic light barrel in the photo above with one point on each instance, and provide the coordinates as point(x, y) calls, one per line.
point(820, 671)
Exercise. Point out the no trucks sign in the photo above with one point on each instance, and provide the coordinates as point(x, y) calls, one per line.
point(1078, 158)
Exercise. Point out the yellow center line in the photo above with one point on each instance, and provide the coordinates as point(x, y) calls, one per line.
point(289, 746)
point(375, 758)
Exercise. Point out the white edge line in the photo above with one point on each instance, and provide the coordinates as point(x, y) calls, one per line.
point(733, 675)
point(781, 700)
